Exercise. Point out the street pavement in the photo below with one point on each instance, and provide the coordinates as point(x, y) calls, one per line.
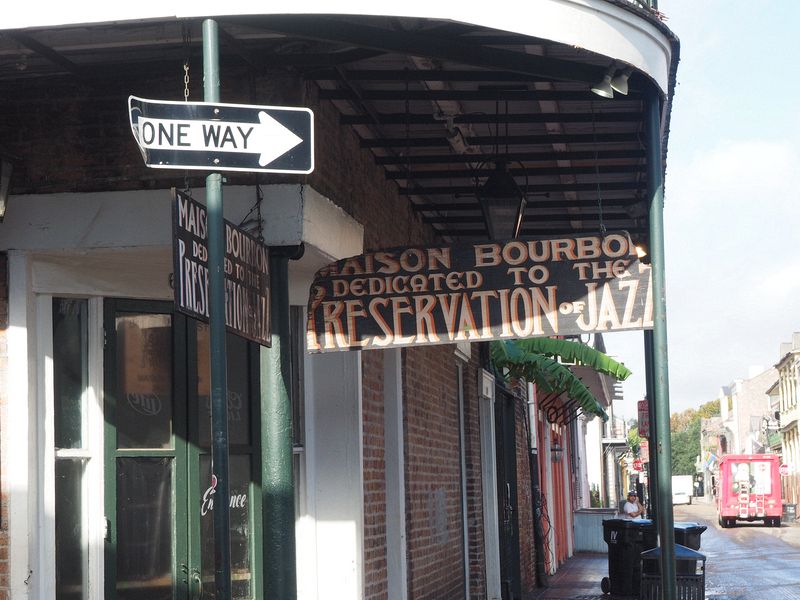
point(747, 562)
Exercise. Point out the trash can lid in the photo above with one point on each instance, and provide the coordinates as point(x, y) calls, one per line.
point(627, 522)
point(690, 525)
point(681, 553)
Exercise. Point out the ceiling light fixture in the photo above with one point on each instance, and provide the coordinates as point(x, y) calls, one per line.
point(603, 88)
point(619, 83)
point(501, 200)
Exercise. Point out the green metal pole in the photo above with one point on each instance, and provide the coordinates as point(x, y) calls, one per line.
point(219, 384)
point(280, 579)
point(652, 468)
point(663, 448)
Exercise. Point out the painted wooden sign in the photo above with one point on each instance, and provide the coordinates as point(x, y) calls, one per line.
point(246, 265)
point(480, 292)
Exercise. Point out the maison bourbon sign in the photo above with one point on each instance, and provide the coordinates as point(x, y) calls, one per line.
point(481, 292)
point(246, 266)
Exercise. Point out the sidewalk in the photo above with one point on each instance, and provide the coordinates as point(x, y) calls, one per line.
point(577, 579)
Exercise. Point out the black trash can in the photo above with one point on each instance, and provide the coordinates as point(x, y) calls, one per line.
point(690, 574)
point(688, 534)
point(789, 513)
point(626, 540)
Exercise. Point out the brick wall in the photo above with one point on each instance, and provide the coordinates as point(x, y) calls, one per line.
point(3, 400)
point(524, 495)
point(375, 559)
point(433, 474)
point(472, 450)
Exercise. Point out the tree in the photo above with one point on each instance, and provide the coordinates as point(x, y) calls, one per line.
point(685, 436)
point(634, 440)
point(685, 449)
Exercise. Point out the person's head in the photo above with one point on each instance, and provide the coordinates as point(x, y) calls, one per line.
point(632, 496)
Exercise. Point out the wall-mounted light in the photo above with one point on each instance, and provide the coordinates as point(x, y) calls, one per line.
point(556, 452)
point(6, 167)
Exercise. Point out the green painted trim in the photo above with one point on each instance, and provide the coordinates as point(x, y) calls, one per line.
point(109, 450)
point(255, 489)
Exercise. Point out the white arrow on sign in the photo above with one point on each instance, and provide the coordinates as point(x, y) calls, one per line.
point(268, 138)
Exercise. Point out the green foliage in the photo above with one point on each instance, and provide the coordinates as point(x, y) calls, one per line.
point(634, 441)
point(534, 360)
point(594, 496)
point(685, 449)
point(685, 436)
point(709, 409)
point(549, 375)
point(680, 421)
point(569, 351)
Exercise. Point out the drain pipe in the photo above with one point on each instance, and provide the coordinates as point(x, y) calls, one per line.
point(536, 494)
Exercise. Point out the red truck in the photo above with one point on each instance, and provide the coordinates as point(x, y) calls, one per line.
point(749, 489)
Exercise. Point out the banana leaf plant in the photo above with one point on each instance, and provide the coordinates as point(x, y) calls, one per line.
point(533, 360)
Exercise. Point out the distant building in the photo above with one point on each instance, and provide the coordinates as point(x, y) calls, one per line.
point(788, 368)
point(713, 443)
point(744, 405)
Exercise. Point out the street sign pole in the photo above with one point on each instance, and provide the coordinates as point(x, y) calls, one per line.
point(219, 384)
point(663, 445)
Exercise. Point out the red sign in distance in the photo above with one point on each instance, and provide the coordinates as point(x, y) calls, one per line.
point(637, 464)
point(783, 469)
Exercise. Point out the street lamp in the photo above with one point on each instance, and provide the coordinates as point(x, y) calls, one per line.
point(556, 452)
point(502, 203)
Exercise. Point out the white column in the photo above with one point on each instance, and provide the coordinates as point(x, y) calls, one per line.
point(18, 428)
point(491, 517)
point(396, 569)
point(335, 483)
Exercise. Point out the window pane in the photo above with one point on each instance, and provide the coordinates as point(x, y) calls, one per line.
point(238, 388)
point(70, 556)
point(144, 389)
point(69, 370)
point(144, 529)
point(241, 528)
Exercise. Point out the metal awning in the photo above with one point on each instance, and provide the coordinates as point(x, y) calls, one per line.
point(437, 104)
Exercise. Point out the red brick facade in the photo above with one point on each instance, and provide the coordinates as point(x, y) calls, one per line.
point(524, 496)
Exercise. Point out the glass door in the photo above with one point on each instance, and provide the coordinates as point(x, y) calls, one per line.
point(160, 491)
point(242, 438)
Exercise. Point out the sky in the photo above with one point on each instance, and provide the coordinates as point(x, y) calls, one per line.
point(732, 201)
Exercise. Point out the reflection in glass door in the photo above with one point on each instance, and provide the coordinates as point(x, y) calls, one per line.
point(159, 487)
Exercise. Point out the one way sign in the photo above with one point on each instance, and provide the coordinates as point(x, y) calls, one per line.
point(223, 137)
